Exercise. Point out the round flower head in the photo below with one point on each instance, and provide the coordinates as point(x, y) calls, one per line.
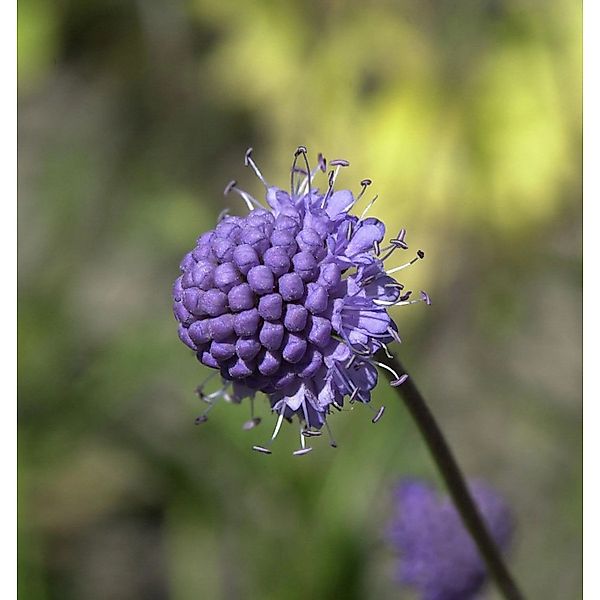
point(438, 558)
point(292, 299)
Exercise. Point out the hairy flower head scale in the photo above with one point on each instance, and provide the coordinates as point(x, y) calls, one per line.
point(292, 299)
point(438, 558)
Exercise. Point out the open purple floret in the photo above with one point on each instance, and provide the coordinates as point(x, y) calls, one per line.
point(292, 300)
point(438, 558)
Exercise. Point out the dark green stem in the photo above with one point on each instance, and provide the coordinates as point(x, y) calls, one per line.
point(446, 463)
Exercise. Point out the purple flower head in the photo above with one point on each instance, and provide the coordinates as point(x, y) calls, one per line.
point(292, 299)
point(438, 558)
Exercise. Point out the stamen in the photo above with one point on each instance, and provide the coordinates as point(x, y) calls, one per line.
point(395, 243)
point(251, 423)
point(350, 231)
point(387, 351)
point(332, 442)
point(365, 183)
point(229, 187)
point(367, 208)
point(321, 166)
point(339, 162)
point(311, 432)
point(420, 254)
point(394, 334)
point(400, 302)
point(299, 150)
point(331, 183)
point(222, 215)
point(254, 421)
point(394, 285)
point(372, 278)
point(361, 307)
point(425, 297)
point(399, 241)
point(303, 450)
point(204, 416)
point(266, 449)
point(308, 177)
point(278, 424)
point(378, 415)
point(321, 162)
point(249, 162)
point(350, 384)
point(200, 389)
point(251, 202)
point(397, 379)
point(217, 394)
point(398, 382)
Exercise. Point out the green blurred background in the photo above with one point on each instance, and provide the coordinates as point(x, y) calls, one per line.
point(133, 116)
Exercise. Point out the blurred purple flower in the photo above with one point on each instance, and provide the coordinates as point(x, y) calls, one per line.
point(438, 558)
point(292, 300)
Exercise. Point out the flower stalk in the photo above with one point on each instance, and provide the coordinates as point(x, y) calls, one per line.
point(455, 482)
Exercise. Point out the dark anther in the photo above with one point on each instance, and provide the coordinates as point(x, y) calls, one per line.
point(399, 243)
point(300, 150)
point(302, 451)
point(311, 433)
point(339, 162)
point(300, 170)
point(420, 254)
point(201, 419)
point(406, 296)
point(398, 382)
point(251, 424)
point(366, 182)
point(229, 187)
point(322, 162)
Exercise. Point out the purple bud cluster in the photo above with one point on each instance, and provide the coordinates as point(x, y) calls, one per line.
point(292, 299)
point(255, 300)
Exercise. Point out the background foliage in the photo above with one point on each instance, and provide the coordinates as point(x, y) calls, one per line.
point(133, 116)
